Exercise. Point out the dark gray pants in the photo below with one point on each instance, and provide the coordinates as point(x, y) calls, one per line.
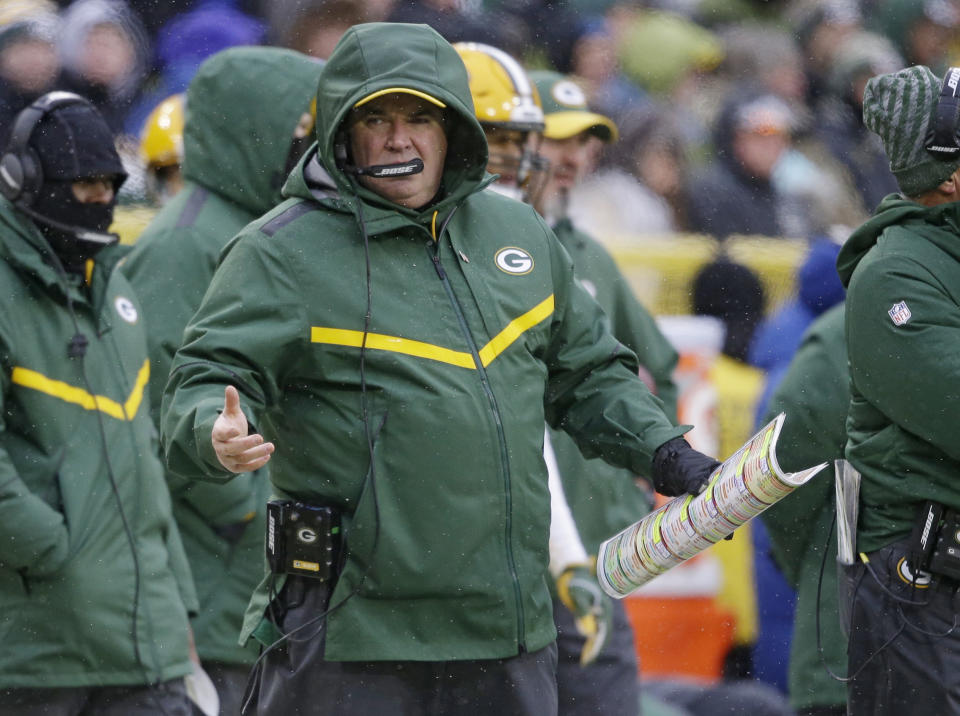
point(904, 648)
point(166, 699)
point(293, 679)
point(230, 680)
point(607, 687)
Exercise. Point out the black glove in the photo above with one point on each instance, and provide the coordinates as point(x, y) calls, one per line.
point(679, 469)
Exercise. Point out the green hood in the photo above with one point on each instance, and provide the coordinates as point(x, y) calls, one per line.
point(377, 56)
point(938, 224)
point(235, 132)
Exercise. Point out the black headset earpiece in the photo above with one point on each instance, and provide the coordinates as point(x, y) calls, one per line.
point(340, 148)
point(21, 174)
point(942, 140)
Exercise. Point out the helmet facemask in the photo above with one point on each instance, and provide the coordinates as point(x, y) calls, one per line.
point(508, 107)
point(514, 155)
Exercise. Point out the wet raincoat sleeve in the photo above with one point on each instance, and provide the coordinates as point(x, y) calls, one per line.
point(593, 390)
point(166, 312)
point(900, 368)
point(242, 335)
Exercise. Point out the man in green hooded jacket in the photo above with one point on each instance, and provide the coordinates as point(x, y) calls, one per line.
point(902, 273)
point(234, 171)
point(400, 334)
point(603, 499)
point(94, 584)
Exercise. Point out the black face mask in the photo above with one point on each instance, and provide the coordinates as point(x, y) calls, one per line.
point(56, 201)
point(298, 146)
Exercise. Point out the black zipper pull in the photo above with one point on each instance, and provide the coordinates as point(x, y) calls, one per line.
point(438, 267)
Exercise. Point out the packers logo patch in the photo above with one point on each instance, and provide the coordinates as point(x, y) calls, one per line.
point(514, 261)
point(899, 313)
point(126, 309)
point(569, 93)
point(906, 574)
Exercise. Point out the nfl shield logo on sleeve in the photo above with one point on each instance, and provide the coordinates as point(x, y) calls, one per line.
point(900, 313)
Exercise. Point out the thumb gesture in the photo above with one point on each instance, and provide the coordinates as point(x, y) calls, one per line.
point(237, 451)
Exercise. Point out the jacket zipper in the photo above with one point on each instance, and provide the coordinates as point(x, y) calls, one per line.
point(501, 439)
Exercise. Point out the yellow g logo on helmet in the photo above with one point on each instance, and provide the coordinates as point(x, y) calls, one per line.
point(503, 94)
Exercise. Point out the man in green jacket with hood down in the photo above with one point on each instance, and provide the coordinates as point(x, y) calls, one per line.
point(94, 584)
point(400, 334)
point(603, 499)
point(902, 272)
point(234, 171)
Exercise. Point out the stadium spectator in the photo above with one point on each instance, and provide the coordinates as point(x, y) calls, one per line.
point(451, 19)
point(822, 28)
point(638, 188)
point(839, 116)
point(29, 64)
point(184, 42)
point(317, 29)
point(759, 182)
point(921, 30)
point(106, 57)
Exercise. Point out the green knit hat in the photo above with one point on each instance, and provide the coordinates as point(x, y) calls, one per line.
point(900, 108)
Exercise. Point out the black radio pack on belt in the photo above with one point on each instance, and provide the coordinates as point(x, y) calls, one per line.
point(302, 539)
point(935, 541)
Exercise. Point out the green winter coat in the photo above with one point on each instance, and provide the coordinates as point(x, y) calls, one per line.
point(234, 173)
point(446, 529)
point(814, 394)
point(905, 379)
point(80, 482)
point(605, 499)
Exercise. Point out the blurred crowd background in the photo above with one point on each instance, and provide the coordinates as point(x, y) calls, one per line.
point(742, 164)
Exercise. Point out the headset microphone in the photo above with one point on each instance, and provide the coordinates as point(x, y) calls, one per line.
point(385, 171)
point(102, 238)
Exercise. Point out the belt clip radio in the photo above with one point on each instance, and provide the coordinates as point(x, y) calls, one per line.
point(936, 540)
point(302, 539)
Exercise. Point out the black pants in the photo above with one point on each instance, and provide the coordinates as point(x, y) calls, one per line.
point(293, 679)
point(230, 680)
point(904, 647)
point(607, 687)
point(166, 699)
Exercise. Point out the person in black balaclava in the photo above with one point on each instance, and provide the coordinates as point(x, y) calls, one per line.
point(81, 173)
point(95, 588)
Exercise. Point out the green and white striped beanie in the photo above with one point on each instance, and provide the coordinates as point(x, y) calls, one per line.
point(900, 108)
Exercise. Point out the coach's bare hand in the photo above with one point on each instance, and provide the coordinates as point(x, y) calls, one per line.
point(237, 451)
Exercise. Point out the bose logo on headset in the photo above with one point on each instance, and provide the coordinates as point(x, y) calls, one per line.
point(21, 174)
point(942, 140)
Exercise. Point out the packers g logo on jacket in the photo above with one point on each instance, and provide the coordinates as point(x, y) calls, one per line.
point(514, 261)
point(125, 309)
